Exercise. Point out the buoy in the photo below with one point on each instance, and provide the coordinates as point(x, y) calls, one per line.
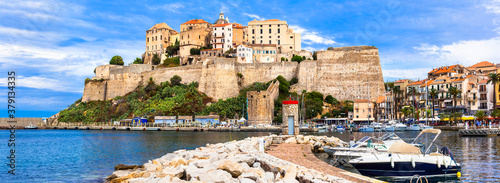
point(392, 161)
point(459, 174)
point(412, 162)
point(101, 128)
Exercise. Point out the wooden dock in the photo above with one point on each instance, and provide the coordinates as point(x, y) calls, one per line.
point(485, 132)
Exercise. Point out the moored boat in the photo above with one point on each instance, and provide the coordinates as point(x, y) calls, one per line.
point(400, 127)
point(31, 126)
point(366, 128)
point(413, 127)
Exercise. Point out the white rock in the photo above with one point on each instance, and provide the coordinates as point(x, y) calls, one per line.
point(256, 165)
point(175, 172)
point(216, 176)
point(290, 180)
point(246, 180)
point(232, 167)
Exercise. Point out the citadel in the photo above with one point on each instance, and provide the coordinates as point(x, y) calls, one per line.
point(263, 50)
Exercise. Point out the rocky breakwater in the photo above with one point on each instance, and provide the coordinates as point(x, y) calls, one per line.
point(236, 161)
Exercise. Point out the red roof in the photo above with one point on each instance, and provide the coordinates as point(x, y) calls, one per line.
point(483, 64)
point(445, 69)
point(290, 102)
point(484, 81)
point(400, 81)
point(361, 101)
point(418, 82)
point(195, 21)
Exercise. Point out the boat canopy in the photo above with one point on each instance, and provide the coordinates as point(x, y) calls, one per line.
point(436, 131)
point(403, 148)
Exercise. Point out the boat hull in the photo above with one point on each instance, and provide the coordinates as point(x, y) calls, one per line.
point(367, 129)
point(404, 169)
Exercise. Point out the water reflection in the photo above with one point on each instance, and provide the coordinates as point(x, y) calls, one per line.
point(479, 156)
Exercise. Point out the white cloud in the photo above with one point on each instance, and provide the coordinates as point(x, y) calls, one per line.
point(257, 17)
point(464, 52)
point(312, 37)
point(172, 7)
point(41, 83)
point(419, 73)
point(492, 6)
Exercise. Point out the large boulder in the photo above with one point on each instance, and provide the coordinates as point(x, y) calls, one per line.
point(178, 161)
point(232, 167)
point(216, 176)
point(174, 172)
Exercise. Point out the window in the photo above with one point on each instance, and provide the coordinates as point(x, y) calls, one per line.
point(269, 41)
point(260, 25)
point(199, 37)
point(253, 32)
point(260, 31)
point(147, 39)
point(278, 42)
point(260, 41)
point(291, 37)
point(269, 29)
point(222, 28)
point(253, 42)
point(269, 37)
point(278, 25)
point(160, 37)
point(278, 30)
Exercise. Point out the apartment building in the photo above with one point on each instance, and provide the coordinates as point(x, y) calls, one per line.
point(274, 32)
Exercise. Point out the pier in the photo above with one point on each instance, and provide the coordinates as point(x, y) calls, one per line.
point(488, 132)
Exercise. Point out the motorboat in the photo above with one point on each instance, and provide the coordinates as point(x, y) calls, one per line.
point(366, 128)
point(363, 147)
point(403, 160)
point(377, 127)
point(400, 127)
point(321, 128)
point(424, 126)
point(387, 128)
point(340, 129)
point(413, 127)
point(31, 126)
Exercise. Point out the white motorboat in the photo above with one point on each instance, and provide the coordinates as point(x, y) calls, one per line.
point(387, 128)
point(31, 126)
point(406, 160)
point(321, 129)
point(424, 126)
point(377, 127)
point(366, 128)
point(363, 147)
point(400, 127)
point(413, 127)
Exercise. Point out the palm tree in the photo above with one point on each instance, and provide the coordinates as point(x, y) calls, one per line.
point(395, 91)
point(406, 111)
point(494, 78)
point(433, 93)
point(455, 91)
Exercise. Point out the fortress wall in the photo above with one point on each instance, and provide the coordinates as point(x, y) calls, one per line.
point(221, 80)
point(264, 72)
point(345, 73)
point(307, 75)
point(187, 73)
point(93, 90)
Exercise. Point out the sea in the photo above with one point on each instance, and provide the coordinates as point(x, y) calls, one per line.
point(91, 155)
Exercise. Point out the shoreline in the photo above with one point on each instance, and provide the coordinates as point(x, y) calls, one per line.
point(235, 161)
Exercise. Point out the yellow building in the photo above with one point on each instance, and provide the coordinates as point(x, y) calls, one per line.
point(273, 32)
point(363, 110)
point(238, 34)
point(264, 53)
point(157, 40)
point(194, 34)
point(174, 38)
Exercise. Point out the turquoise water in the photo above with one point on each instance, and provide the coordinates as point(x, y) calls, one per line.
point(90, 156)
point(479, 156)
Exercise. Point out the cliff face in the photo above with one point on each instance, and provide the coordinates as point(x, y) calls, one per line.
point(343, 73)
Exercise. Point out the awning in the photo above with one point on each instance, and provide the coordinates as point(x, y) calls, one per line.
point(467, 117)
point(449, 100)
point(422, 102)
point(363, 119)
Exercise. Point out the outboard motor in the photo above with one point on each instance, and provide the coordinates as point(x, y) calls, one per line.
point(445, 151)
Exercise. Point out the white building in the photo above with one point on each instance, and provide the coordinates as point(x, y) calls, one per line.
point(244, 54)
point(485, 95)
point(222, 36)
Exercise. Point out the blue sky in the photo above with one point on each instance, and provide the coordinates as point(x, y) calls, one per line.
point(54, 45)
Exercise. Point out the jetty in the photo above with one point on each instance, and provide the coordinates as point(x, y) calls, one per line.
point(488, 132)
point(254, 159)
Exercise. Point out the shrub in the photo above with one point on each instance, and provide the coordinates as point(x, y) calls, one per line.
point(239, 75)
point(138, 61)
point(87, 80)
point(294, 81)
point(282, 58)
point(195, 51)
point(116, 60)
point(156, 59)
point(176, 80)
point(297, 58)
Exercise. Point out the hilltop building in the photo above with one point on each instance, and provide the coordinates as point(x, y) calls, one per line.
point(273, 32)
point(244, 53)
point(264, 53)
point(194, 34)
point(158, 38)
point(222, 36)
point(221, 19)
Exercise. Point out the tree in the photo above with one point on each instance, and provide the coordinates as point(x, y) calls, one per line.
point(329, 48)
point(230, 51)
point(303, 57)
point(176, 80)
point(456, 116)
point(138, 60)
point(329, 99)
point(297, 58)
point(433, 95)
point(173, 49)
point(494, 78)
point(454, 91)
point(156, 59)
point(116, 60)
point(282, 59)
point(480, 115)
point(195, 51)
point(315, 55)
point(406, 112)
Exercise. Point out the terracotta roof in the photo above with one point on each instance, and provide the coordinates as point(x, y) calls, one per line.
point(270, 20)
point(380, 99)
point(161, 26)
point(444, 69)
point(195, 21)
point(221, 25)
point(483, 64)
point(262, 45)
point(361, 100)
point(400, 81)
point(427, 83)
point(484, 81)
point(418, 82)
point(237, 26)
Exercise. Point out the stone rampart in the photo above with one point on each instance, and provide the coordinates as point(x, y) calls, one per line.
point(342, 72)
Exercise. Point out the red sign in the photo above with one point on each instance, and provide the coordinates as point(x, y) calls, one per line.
point(291, 102)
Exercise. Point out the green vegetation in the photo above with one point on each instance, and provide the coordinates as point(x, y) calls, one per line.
point(156, 59)
point(171, 62)
point(173, 49)
point(195, 51)
point(116, 60)
point(175, 80)
point(297, 58)
point(315, 55)
point(480, 115)
point(138, 60)
point(146, 101)
point(282, 59)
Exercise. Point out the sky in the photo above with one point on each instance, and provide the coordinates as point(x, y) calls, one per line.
point(54, 45)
